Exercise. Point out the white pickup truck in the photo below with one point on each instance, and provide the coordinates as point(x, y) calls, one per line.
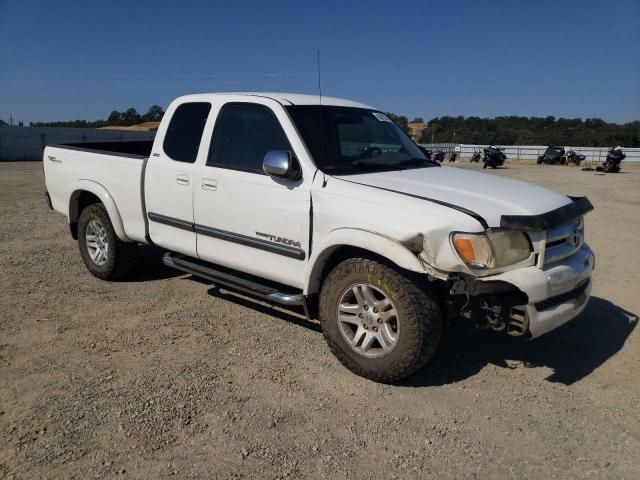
point(328, 205)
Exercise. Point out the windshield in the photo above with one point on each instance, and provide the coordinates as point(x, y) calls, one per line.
point(354, 140)
point(554, 150)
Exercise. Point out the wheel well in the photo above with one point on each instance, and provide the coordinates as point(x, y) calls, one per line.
point(80, 200)
point(340, 254)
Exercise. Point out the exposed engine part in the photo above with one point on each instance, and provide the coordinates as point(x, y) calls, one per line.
point(494, 316)
point(486, 314)
point(496, 305)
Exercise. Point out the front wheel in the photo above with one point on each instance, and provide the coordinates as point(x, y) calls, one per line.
point(378, 322)
point(104, 254)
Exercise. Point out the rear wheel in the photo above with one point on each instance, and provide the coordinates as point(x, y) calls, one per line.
point(377, 321)
point(104, 254)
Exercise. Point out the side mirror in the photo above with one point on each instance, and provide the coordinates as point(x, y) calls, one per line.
point(281, 164)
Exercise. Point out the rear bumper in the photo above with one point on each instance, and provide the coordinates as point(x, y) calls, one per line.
point(556, 293)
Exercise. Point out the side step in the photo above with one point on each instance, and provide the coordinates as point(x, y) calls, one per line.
point(235, 282)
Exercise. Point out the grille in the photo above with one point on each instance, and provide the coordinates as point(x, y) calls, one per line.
point(564, 241)
point(563, 298)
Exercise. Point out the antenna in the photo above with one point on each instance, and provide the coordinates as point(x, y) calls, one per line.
point(319, 78)
point(324, 177)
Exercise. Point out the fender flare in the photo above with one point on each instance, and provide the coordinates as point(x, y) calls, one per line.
point(107, 200)
point(379, 244)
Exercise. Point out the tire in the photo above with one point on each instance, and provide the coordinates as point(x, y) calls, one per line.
point(418, 320)
point(120, 258)
point(484, 165)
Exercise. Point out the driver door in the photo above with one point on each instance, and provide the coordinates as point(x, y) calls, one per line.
point(246, 219)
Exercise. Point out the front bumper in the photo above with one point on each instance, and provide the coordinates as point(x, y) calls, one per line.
point(556, 293)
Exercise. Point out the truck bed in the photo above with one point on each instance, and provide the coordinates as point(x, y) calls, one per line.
point(110, 170)
point(134, 148)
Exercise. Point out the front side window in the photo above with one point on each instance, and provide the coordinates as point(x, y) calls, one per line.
point(355, 140)
point(243, 134)
point(184, 133)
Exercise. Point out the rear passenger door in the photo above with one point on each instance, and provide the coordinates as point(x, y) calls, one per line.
point(169, 177)
point(244, 218)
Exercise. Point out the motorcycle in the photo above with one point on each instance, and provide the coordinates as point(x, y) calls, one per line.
point(493, 157)
point(438, 156)
point(552, 156)
point(613, 161)
point(477, 155)
point(573, 157)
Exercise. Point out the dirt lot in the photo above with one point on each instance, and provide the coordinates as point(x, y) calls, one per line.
point(166, 376)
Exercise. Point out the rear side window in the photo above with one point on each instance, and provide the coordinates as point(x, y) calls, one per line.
point(243, 134)
point(182, 140)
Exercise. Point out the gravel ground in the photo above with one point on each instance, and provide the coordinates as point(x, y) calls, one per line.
point(165, 376)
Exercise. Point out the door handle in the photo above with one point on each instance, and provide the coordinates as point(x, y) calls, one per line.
point(182, 179)
point(209, 184)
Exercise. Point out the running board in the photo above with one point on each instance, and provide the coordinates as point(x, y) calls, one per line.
point(235, 282)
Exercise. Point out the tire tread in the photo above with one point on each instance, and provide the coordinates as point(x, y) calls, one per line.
point(123, 256)
point(425, 331)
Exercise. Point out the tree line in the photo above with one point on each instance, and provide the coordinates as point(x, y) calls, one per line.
point(513, 130)
point(509, 130)
point(125, 118)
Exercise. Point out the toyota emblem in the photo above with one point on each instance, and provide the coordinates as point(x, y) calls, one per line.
point(576, 235)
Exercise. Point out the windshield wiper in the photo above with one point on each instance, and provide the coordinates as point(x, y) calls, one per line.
point(360, 166)
point(378, 165)
point(418, 161)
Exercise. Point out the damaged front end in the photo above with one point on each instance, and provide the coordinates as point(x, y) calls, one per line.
point(525, 278)
point(489, 305)
point(527, 301)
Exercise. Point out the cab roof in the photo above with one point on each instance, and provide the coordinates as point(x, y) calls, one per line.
point(284, 98)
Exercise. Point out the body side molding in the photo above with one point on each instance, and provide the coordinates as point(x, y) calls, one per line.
point(278, 249)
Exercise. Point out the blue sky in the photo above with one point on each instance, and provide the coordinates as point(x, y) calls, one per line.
point(62, 60)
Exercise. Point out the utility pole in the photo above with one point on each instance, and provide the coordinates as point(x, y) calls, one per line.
point(11, 119)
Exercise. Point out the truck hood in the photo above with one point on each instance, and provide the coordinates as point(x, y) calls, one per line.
point(487, 196)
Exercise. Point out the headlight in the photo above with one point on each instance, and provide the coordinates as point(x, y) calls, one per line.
point(492, 249)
